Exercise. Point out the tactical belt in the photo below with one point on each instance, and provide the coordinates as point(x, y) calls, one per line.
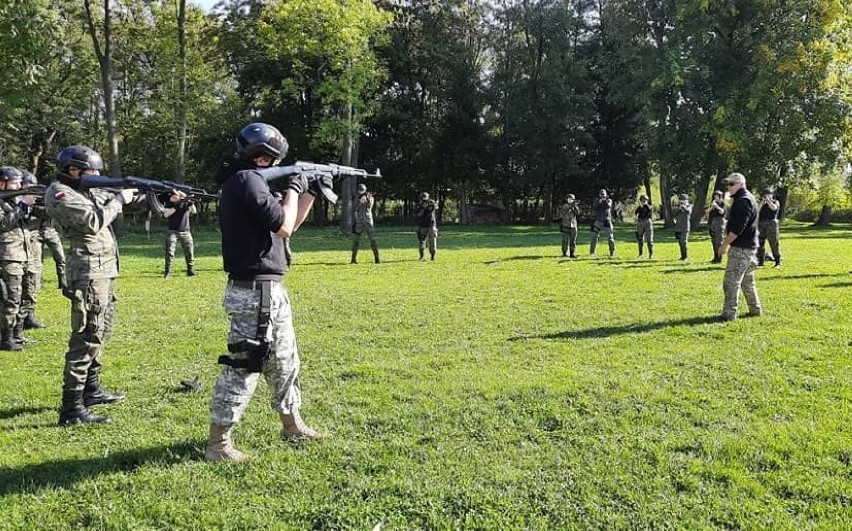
point(258, 348)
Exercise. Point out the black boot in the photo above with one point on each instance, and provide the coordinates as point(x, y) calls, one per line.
point(167, 272)
point(761, 254)
point(422, 252)
point(6, 343)
point(18, 332)
point(376, 255)
point(777, 261)
point(190, 270)
point(30, 322)
point(641, 248)
point(611, 248)
point(94, 394)
point(432, 255)
point(73, 411)
point(650, 250)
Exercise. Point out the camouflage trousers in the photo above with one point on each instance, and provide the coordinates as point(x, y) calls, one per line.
point(569, 240)
point(186, 243)
point(31, 285)
point(12, 274)
point(717, 233)
point(235, 386)
point(428, 236)
point(33, 274)
point(358, 230)
point(597, 227)
point(683, 242)
point(92, 322)
point(768, 230)
point(51, 239)
point(644, 231)
point(740, 274)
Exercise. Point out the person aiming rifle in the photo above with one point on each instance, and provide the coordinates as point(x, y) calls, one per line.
point(86, 216)
point(362, 221)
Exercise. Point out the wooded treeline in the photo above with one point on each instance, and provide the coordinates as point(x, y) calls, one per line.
point(511, 102)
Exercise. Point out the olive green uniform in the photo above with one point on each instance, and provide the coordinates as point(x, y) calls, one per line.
point(92, 267)
point(14, 255)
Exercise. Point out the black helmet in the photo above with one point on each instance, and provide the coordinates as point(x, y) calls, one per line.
point(424, 196)
point(569, 196)
point(768, 191)
point(683, 197)
point(82, 157)
point(10, 173)
point(28, 178)
point(362, 189)
point(259, 139)
point(643, 197)
point(719, 193)
point(602, 193)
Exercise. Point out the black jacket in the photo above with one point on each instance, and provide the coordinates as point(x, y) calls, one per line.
point(743, 220)
point(249, 216)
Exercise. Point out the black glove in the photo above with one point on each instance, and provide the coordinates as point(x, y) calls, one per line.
point(319, 183)
point(298, 183)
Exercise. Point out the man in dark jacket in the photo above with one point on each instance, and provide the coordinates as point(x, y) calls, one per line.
point(741, 246)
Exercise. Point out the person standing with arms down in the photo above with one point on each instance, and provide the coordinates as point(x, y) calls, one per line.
point(645, 225)
point(86, 217)
point(362, 220)
point(682, 222)
point(427, 225)
point(768, 228)
point(177, 211)
point(715, 212)
point(603, 221)
point(566, 216)
point(742, 243)
point(261, 337)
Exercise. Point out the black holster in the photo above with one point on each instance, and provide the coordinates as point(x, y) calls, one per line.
point(258, 349)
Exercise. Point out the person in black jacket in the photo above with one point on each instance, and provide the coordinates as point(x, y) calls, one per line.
point(254, 225)
point(741, 246)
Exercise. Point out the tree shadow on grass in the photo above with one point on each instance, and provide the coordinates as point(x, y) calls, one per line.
point(800, 277)
point(694, 269)
point(631, 328)
point(837, 285)
point(65, 473)
point(28, 410)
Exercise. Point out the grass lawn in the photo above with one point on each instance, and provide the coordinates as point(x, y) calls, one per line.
point(500, 387)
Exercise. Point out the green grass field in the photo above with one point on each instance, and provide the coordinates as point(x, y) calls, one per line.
point(500, 387)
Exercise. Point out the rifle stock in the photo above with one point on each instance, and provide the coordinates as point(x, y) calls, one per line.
point(313, 170)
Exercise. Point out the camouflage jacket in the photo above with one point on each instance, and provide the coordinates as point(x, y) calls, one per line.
point(682, 214)
point(567, 215)
point(364, 209)
point(85, 219)
point(14, 236)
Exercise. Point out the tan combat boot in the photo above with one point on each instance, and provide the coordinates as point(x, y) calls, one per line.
point(219, 448)
point(295, 427)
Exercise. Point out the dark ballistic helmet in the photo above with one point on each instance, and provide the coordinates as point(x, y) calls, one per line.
point(424, 196)
point(259, 139)
point(768, 191)
point(569, 196)
point(28, 178)
point(362, 189)
point(683, 197)
point(718, 193)
point(82, 157)
point(10, 173)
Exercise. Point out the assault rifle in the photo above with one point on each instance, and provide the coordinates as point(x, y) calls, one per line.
point(318, 175)
point(37, 190)
point(144, 185)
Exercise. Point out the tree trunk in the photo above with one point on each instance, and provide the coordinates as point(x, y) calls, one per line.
point(347, 184)
point(105, 61)
point(701, 190)
point(463, 205)
point(180, 163)
point(824, 217)
point(665, 201)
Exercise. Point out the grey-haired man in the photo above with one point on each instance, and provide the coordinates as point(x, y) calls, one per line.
point(741, 246)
